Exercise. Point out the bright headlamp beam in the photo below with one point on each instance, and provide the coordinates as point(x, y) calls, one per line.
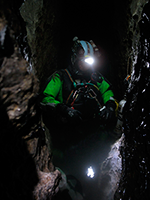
point(89, 60)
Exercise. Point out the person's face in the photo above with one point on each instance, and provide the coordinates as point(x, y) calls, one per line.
point(83, 66)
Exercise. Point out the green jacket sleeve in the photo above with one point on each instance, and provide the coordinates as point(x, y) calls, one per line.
point(53, 91)
point(105, 90)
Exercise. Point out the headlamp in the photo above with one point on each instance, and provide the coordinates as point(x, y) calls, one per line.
point(89, 60)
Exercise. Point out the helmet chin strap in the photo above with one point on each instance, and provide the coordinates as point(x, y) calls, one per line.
point(83, 75)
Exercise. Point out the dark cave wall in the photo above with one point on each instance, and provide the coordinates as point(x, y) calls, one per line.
point(43, 35)
point(123, 39)
point(135, 180)
point(27, 171)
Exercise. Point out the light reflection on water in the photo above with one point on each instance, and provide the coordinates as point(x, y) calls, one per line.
point(90, 172)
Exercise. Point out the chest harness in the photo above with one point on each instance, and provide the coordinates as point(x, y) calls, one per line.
point(85, 87)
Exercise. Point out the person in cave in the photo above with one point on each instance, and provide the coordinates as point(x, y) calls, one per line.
point(78, 99)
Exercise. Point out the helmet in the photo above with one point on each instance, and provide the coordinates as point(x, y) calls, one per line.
point(88, 51)
point(83, 51)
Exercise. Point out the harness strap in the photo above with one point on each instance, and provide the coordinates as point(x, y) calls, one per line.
point(70, 76)
point(93, 85)
point(70, 95)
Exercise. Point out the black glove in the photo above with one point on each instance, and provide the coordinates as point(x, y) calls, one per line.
point(108, 112)
point(72, 115)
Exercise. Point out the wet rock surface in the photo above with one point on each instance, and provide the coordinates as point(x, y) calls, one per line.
point(135, 179)
point(47, 187)
point(24, 153)
point(42, 35)
point(110, 171)
point(26, 166)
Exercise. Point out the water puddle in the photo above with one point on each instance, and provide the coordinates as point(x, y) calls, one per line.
point(81, 164)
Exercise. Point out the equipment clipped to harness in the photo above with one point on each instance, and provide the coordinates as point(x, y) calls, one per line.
point(93, 95)
point(85, 88)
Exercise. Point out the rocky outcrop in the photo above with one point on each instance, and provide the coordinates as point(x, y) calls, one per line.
point(136, 9)
point(42, 35)
point(26, 165)
point(135, 179)
point(47, 186)
point(24, 152)
point(110, 172)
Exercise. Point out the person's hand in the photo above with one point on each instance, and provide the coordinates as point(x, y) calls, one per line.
point(72, 115)
point(107, 113)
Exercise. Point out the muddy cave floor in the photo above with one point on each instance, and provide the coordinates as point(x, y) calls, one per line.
point(75, 161)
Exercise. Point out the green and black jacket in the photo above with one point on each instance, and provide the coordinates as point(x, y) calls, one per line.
point(61, 86)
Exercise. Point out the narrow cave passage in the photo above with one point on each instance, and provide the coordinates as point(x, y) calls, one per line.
point(88, 21)
point(97, 22)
